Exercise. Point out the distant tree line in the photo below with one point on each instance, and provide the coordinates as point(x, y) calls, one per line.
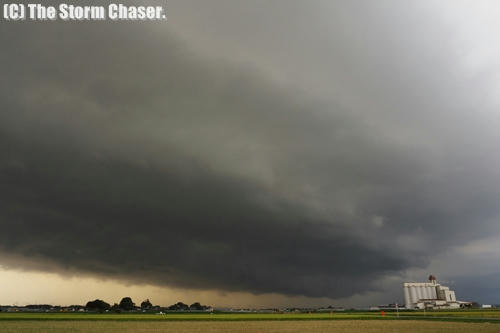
point(126, 304)
point(184, 307)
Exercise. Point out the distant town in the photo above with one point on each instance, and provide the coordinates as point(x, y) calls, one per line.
point(127, 305)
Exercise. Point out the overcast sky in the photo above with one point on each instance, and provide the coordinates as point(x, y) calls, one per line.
point(252, 153)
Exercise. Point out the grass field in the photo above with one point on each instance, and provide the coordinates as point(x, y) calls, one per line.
point(287, 326)
point(434, 321)
point(458, 315)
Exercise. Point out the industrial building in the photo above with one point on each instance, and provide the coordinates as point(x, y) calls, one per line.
point(430, 295)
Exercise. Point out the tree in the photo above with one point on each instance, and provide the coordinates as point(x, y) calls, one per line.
point(146, 305)
point(97, 305)
point(198, 307)
point(115, 308)
point(179, 306)
point(127, 304)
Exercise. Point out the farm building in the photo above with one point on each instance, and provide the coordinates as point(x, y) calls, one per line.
point(425, 295)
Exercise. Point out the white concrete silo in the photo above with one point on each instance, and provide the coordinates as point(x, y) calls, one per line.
point(413, 293)
point(406, 290)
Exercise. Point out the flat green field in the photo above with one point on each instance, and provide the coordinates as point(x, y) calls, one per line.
point(492, 316)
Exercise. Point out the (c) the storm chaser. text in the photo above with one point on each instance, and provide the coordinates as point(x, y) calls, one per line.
point(39, 12)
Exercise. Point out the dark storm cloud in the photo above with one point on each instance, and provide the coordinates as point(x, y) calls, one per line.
point(123, 153)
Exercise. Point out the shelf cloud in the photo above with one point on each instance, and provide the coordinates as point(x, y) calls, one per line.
point(127, 152)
